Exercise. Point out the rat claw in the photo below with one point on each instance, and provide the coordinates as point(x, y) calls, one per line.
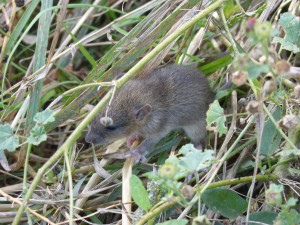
point(138, 156)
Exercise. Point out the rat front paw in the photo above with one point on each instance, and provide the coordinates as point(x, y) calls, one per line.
point(131, 139)
point(138, 156)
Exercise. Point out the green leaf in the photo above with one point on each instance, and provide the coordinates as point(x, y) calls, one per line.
point(195, 59)
point(37, 135)
point(120, 30)
point(78, 185)
point(230, 8)
point(3, 161)
point(288, 218)
point(292, 202)
point(289, 152)
point(195, 160)
point(139, 193)
point(286, 45)
point(217, 64)
point(82, 49)
point(19, 28)
point(271, 137)
point(174, 222)
point(291, 26)
point(7, 139)
point(191, 161)
point(44, 117)
point(49, 178)
point(223, 93)
point(255, 70)
point(216, 119)
point(226, 202)
point(265, 217)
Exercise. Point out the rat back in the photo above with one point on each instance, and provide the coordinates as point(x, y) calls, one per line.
point(179, 96)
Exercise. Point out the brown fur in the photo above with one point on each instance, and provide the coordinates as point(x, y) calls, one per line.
point(170, 98)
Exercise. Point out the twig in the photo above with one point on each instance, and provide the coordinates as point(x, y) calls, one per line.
point(278, 128)
point(202, 188)
point(126, 194)
point(232, 126)
point(114, 83)
point(133, 71)
point(260, 128)
point(71, 194)
point(214, 170)
point(158, 210)
point(15, 200)
point(60, 19)
point(97, 84)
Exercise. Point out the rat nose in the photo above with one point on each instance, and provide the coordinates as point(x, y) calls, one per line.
point(88, 139)
point(93, 138)
point(88, 136)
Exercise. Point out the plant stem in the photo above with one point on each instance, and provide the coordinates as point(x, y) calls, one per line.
point(240, 180)
point(237, 114)
point(133, 71)
point(229, 35)
point(65, 147)
point(259, 129)
point(285, 161)
point(278, 128)
point(223, 159)
point(240, 148)
point(201, 188)
point(158, 210)
point(26, 167)
point(100, 84)
point(71, 195)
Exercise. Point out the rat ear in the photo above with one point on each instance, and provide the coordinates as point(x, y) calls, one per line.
point(143, 112)
point(106, 121)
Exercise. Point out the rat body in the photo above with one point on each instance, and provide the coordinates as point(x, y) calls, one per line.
point(171, 97)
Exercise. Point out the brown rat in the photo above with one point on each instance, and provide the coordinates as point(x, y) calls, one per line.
point(169, 98)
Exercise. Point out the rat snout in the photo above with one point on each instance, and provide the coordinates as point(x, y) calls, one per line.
point(93, 138)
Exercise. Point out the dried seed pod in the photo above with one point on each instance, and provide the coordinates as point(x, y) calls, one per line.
point(252, 107)
point(188, 191)
point(243, 102)
point(297, 91)
point(290, 121)
point(283, 66)
point(239, 78)
point(269, 87)
point(242, 121)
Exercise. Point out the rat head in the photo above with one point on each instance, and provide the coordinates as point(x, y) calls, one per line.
point(122, 121)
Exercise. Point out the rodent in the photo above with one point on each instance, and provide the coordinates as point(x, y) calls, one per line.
point(171, 97)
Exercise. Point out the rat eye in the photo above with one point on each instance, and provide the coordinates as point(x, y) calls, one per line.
point(110, 128)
